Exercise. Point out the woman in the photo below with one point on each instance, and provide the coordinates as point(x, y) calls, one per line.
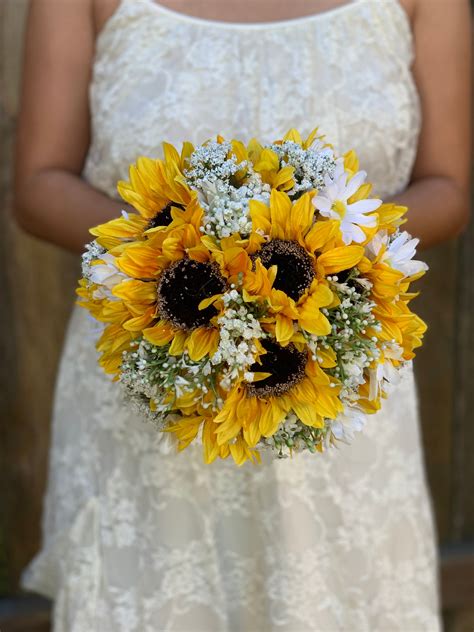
point(138, 539)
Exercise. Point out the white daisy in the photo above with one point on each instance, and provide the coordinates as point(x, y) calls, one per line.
point(332, 202)
point(347, 423)
point(385, 375)
point(399, 252)
point(106, 275)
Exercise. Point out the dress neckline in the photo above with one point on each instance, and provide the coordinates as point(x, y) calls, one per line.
point(224, 24)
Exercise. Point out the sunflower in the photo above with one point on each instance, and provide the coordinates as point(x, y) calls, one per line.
point(303, 252)
point(156, 189)
point(183, 276)
point(155, 186)
point(167, 276)
point(294, 382)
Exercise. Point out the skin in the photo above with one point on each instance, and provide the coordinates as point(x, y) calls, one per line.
point(54, 121)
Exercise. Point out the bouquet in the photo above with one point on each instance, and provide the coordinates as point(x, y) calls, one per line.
point(257, 298)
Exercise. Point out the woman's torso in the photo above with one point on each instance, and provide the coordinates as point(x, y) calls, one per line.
point(163, 75)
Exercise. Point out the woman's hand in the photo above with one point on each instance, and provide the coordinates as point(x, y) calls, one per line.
point(51, 199)
point(438, 196)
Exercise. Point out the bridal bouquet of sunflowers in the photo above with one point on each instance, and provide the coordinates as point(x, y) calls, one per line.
point(257, 298)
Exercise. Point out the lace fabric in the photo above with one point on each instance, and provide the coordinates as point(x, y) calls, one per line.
point(139, 539)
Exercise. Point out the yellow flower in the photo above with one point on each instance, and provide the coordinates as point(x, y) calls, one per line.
point(153, 184)
point(267, 164)
point(399, 324)
point(114, 232)
point(294, 384)
point(303, 253)
point(170, 273)
point(186, 430)
point(385, 279)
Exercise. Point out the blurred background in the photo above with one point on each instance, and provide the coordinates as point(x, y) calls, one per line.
point(36, 294)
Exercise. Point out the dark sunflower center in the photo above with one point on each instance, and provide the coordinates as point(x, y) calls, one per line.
point(295, 267)
point(347, 276)
point(286, 366)
point(163, 217)
point(183, 286)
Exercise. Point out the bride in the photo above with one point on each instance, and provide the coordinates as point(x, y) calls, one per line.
point(139, 539)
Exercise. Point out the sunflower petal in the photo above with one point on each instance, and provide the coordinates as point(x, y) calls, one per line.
point(340, 258)
point(203, 341)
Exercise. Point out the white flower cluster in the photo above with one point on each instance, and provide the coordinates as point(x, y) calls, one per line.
point(347, 423)
point(350, 320)
point(311, 165)
point(226, 208)
point(92, 252)
point(238, 331)
point(150, 373)
point(210, 162)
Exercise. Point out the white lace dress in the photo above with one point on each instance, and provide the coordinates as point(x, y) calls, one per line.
point(139, 540)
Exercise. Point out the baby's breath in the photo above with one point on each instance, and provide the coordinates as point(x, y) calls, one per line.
point(237, 350)
point(149, 373)
point(355, 350)
point(311, 165)
point(92, 253)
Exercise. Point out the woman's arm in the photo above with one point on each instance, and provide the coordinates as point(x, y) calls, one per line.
point(438, 196)
point(51, 199)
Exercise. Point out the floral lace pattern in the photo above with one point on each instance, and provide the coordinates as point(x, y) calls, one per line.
point(139, 539)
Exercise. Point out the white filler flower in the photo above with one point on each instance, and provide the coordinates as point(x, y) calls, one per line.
point(333, 202)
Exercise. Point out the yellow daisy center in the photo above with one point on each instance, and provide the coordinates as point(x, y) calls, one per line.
point(340, 208)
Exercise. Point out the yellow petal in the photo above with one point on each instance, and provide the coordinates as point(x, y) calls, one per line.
point(236, 260)
point(310, 318)
point(283, 180)
point(268, 161)
point(134, 291)
point(203, 341)
point(177, 346)
point(351, 162)
point(260, 216)
point(340, 258)
point(170, 153)
point(272, 413)
point(328, 357)
point(308, 415)
point(302, 214)
point(252, 433)
point(206, 302)
point(160, 334)
point(293, 135)
point(280, 210)
point(284, 329)
point(140, 322)
point(320, 234)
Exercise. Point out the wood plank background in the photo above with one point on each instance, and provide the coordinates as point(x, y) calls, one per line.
point(36, 289)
